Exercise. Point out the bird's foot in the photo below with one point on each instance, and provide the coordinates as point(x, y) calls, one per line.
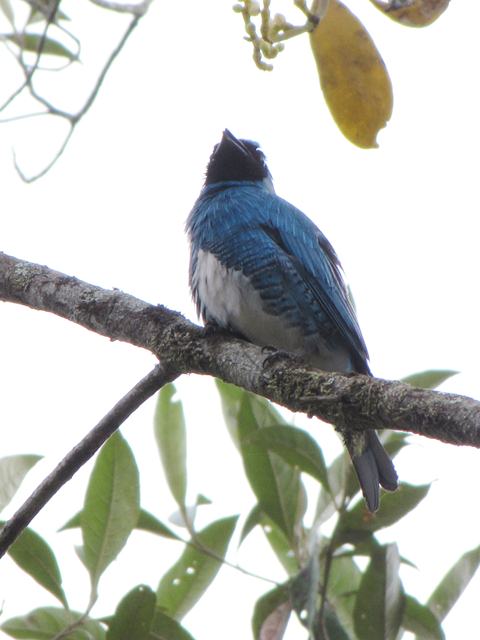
point(212, 328)
point(273, 356)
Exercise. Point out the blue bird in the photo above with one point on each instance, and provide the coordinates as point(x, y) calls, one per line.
point(262, 270)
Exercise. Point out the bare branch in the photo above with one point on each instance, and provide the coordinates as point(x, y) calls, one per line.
point(137, 11)
point(132, 25)
point(349, 401)
point(30, 71)
point(47, 168)
point(82, 452)
point(23, 116)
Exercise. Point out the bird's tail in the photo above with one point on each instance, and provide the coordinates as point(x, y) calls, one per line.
point(373, 467)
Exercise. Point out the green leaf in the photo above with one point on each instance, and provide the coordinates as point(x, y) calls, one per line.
point(280, 545)
point(186, 581)
point(430, 379)
point(275, 484)
point(166, 628)
point(148, 522)
point(170, 433)
point(366, 545)
point(277, 539)
point(32, 42)
point(334, 627)
point(305, 589)
point(419, 619)
point(254, 518)
point(454, 583)
point(41, 9)
point(73, 523)
point(380, 599)
point(394, 441)
point(46, 622)
point(272, 612)
point(35, 557)
point(111, 508)
point(134, 615)
point(344, 580)
point(296, 447)
point(231, 398)
point(13, 469)
point(340, 476)
point(394, 506)
point(7, 10)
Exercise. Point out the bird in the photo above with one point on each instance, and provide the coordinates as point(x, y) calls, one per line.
point(263, 271)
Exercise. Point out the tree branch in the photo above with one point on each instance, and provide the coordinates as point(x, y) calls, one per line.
point(82, 452)
point(349, 401)
point(137, 11)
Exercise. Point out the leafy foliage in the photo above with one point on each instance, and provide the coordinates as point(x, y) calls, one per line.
point(353, 75)
point(47, 622)
point(454, 583)
point(429, 379)
point(170, 434)
point(186, 581)
point(380, 600)
point(34, 555)
point(111, 508)
point(34, 42)
point(325, 584)
point(13, 469)
point(134, 615)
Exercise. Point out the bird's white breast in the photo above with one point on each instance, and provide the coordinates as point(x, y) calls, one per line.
point(232, 302)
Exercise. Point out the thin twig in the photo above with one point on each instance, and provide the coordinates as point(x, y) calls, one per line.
point(47, 168)
point(131, 26)
point(195, 543)
point(23, 116)
point(49, 18)
point(74, 118)
point(324, 585)
point(82, 452)
point(30, 71)
point(137, 11)
point(71, 627)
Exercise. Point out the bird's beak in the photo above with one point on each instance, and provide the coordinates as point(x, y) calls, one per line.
point(229, 140)
point(228, 135)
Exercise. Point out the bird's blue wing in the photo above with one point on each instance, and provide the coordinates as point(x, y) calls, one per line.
point(317, 261)
point(248, 228)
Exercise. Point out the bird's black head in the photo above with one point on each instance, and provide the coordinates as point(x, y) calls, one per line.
point(234, 159)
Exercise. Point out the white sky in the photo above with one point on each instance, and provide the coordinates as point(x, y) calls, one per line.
point(403, 219)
